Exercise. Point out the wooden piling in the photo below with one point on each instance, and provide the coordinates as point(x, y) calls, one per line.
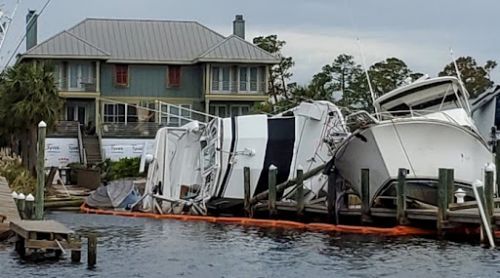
point(401, 197)
point(21, 204)
point(365, 196)
point(497, 164)
point(273, 171)
point(300, 191)
point(488, 193)
point(91, 250)
point(332, 196)
point(28, 207)
point(444, 182)
point(40, 173)
point(246, 185)
point(450, 187)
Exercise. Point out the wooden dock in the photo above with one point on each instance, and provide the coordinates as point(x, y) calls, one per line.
point(36, 236)
point(8, 208)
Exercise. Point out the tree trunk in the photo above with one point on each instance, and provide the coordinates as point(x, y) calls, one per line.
point(23, 140)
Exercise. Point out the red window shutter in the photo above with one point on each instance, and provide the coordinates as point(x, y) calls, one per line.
point(121, 74)
point(174, 76)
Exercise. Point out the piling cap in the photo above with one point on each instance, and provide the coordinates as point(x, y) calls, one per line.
point(300, 167)
point(272, 167)
point(30, 198)
point(42, 124)
point(14, 195)
point(21, 196)
point(490, 167)
point(460, 190)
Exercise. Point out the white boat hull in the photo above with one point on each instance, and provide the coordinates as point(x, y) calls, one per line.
point(420, 145)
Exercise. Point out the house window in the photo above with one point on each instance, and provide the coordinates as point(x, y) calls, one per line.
point(114, 113)
point(239, 110)
point(221, 79)
point(219, 110)
point(176, 115)
point(121, 75)
point(174, 76)
point(249, 79)
point(58, 75)
point(80, 75)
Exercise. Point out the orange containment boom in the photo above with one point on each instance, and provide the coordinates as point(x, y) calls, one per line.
point(270, 223)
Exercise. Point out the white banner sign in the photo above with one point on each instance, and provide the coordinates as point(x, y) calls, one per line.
point(59, 152)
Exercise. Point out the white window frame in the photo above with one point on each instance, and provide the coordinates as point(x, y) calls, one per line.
point(80, 79)
point(248, 79)
point(220, 85)
point(114, 116)
point(172, 119)
point(217, 108)
point(240, 109)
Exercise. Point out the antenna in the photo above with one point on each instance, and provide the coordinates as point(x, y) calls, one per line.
point(372, 94)
point(464, 90)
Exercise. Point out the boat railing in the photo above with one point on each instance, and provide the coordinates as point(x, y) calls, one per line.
point(365, 117)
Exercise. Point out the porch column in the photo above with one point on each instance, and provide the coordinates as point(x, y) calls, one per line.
point(207, 109)
point(97, 101)
point(98, 77)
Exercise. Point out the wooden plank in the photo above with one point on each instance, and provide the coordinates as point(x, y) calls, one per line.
point(8, 207)
point(41, 226)
point(51, 244)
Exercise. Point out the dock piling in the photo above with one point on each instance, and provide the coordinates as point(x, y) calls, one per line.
point(40, 173)
point(300, 191)
point(332, 196)
point(28, 207)
point(91, 250)
point(365, 196)
point(21, 203)
point(488, 190)
point(246, 184)
point(445, 182)
point(497, 165)
point(401, 197)
point(273, 171)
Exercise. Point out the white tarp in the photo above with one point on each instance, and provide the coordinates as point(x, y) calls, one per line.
point(59, 152)
point(117, 148)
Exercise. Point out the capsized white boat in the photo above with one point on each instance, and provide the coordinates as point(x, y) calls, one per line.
point(197, 167)
point(422, 127)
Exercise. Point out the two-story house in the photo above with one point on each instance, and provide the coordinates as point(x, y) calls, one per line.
point(125, 78)
point(107, 68)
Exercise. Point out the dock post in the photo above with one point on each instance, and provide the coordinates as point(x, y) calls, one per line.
point(273, 171)
point(300, 191)
point(450, 187)
point(21, 198)
point(444, 181)
point(28, 207)
point(246, 185)
point(332, 196)
point(401, 197)
point(497, 164)
point(488, 192)
point(40, 172)
point(91, 250)
point(365, 196)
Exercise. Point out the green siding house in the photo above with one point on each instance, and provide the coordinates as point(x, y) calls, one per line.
point(113, 72)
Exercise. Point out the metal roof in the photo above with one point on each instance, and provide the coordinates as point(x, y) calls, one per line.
point(66, 44)
point(236, 49)
point(148, 41)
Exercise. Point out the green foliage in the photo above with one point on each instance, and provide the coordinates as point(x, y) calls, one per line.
point(278, 74)
point(28, 95)
point(123, 168)
point(476, 78)
point(17, 176)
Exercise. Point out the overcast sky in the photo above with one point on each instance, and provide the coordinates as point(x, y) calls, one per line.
point(316, 31)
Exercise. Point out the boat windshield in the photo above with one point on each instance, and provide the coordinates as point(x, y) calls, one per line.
point(424, 99)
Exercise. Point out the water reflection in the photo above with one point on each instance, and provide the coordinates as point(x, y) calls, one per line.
point(137, 247)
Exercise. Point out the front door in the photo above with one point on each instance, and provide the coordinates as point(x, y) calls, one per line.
point(76, 113)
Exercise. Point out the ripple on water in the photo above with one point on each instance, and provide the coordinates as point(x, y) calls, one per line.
point(138, 247)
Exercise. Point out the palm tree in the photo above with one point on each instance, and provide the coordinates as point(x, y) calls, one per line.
point(28, 95)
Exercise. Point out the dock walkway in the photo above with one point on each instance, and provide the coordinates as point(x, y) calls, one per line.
point(8, 208)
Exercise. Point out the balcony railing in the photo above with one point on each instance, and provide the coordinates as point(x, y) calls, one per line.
point(242, 87)
point(65, 129)
point(130, 130)
point(81, 86)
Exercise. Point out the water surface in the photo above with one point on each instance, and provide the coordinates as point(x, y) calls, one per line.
point(137, 247)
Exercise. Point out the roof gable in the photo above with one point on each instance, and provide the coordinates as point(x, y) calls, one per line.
point(66, 45)
point(236, 49)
